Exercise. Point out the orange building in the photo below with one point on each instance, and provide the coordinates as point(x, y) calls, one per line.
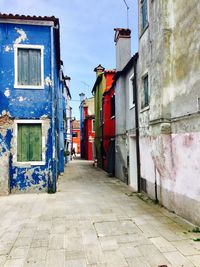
point(76, 136)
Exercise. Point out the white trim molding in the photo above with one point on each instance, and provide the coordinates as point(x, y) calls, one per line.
point(131, 95)
point(28, 46)
point(28, 22)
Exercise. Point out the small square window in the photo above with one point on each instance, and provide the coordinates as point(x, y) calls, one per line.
point(74, 134)
point(29, 142)
point(29, 67)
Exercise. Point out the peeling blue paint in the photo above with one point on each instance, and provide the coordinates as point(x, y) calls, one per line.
point(23, 104)
point(23, 181)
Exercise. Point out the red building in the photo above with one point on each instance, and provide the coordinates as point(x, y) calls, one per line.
point(89, 131)
point(108, 130)
point(76, 136)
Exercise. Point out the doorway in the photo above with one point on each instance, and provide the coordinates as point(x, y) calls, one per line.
point(133, 163)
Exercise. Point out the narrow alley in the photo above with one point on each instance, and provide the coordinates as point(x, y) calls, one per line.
point(93, 220)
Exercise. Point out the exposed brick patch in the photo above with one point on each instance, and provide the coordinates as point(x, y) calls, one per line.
point(5, 119)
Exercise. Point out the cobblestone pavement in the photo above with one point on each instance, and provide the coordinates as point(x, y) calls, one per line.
point(92, 221)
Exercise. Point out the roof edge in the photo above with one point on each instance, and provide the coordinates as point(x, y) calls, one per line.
point(34, 19)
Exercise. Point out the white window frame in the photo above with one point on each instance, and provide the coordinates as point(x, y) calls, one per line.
point(32, 163)
point(144, 74)
point(131, 104)
point(23, 46)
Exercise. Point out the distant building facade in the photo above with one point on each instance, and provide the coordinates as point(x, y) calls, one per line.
point(67, 119)
point(125, 143)
point(76, 136)
point(89, 128)
point(127, 166)
point(102, 83)
point(108, 127)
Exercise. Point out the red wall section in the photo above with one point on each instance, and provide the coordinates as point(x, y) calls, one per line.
point(76, 140)
point(89, 137)
point(109, 123)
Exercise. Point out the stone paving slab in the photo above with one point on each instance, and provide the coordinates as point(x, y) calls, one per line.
point(92, 221)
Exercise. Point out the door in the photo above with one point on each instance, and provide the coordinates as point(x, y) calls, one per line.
point(133, 163)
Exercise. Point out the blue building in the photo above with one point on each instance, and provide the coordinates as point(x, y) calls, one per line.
point(67, 120)
point(31, 104)
point(64, 113)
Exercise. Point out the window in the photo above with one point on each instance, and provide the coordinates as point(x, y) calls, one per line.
point(131, 92)
point(75, 134)
point(112, 106)
point(101, 117)
point(144, 13)
point(93, 125)
point(29, 66)
point(146, 90)
point(29, 142)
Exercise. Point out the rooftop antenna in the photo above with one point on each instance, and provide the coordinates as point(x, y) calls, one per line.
point(85, 85)
point(127, 13)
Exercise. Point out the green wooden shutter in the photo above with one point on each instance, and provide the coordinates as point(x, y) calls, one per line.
point(29, 66)
point(34, 66)
point(23, 142)
point(29, 142)
point(23, 66)
point(19, 145)
point(35, 145)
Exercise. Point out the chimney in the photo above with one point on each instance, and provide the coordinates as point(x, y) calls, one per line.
point(67, 80)
point(85, 111)
point(99, 69)
point(123, 47)
point(82, 97)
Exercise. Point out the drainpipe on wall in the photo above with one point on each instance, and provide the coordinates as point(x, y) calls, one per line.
point(137, 124)
point(156, 186)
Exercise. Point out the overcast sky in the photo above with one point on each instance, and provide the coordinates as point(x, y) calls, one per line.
point(87, 35)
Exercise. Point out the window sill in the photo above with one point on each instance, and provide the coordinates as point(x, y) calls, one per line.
point(144, 30)
point(144, 109)
point(29, 164)
point(16, 86)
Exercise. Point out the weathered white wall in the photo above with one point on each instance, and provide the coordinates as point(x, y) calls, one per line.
point(123, 55)
point(130, 113)
point(123, 49)
point(120, 140)
point(170, 129)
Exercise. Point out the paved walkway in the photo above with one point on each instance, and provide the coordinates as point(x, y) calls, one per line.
point(93, 221)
